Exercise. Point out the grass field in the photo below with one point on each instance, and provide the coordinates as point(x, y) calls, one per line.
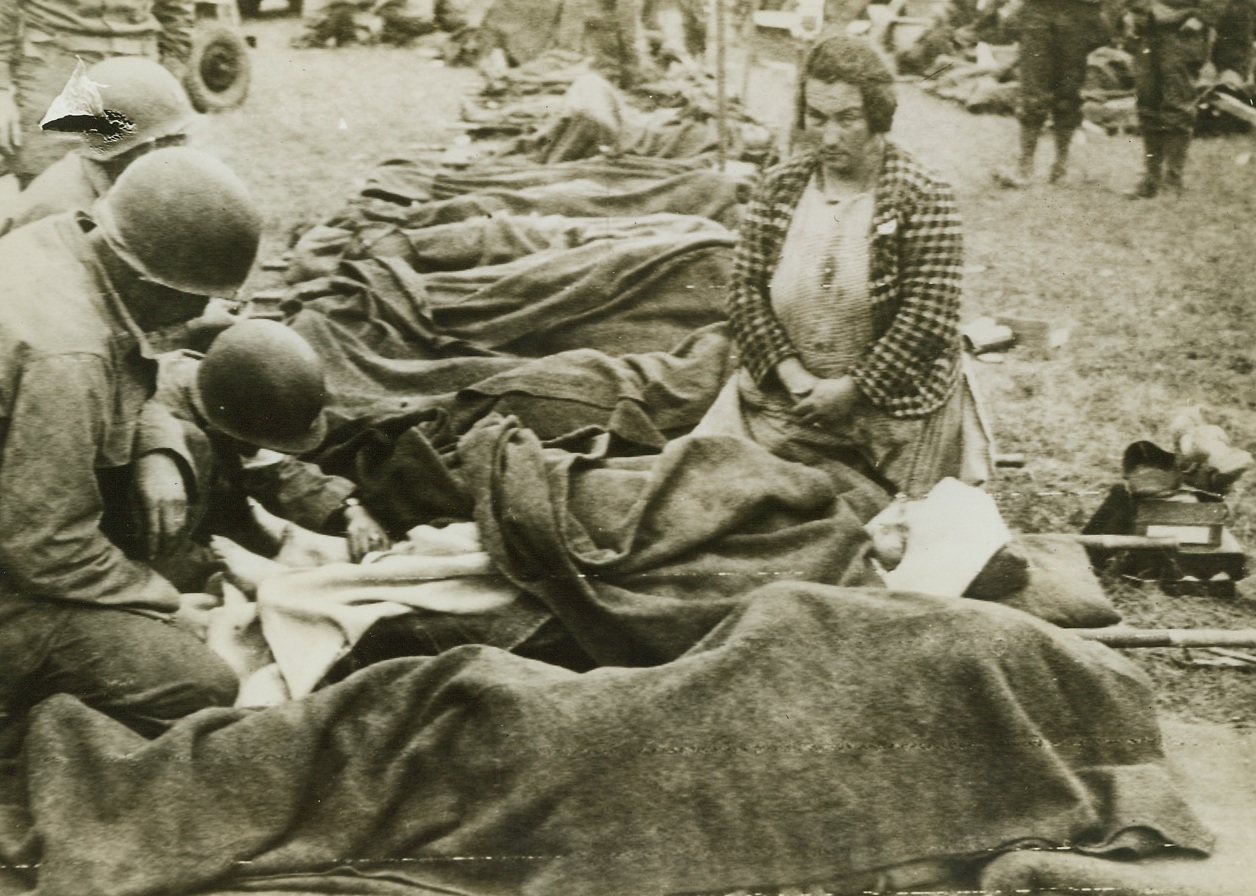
point(1156, 296)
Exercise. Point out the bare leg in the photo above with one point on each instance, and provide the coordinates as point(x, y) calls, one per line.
point(245, 569)
point(298, 547)
point(275, 528)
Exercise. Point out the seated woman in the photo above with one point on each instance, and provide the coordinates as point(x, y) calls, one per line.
point(846, 295)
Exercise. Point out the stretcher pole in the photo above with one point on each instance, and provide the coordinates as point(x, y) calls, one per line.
point(1123, 636)
point(1126, 542)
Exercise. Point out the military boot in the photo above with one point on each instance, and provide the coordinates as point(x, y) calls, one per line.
point(1019, 178)
point(1153, 162)
point(1063, 143)
point(1176, 144)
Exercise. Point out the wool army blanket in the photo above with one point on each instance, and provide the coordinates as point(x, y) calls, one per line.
point(388, 335)
point(813, 733)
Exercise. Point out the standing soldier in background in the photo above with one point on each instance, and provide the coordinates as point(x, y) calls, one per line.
point(614, 38)
point(1172, 39)
point(1056, 37)
point(693, 20)
point(40, 42)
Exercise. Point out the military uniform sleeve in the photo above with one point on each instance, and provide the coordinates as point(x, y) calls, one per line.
point(930, 279)
point(159, 429)
point(51, 544)
point(177, 18)
point(166, 421)
point(297, 491)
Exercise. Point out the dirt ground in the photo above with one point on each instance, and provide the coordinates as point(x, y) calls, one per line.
point(1155, 297)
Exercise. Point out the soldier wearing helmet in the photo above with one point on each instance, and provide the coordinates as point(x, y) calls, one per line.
point(41, 41)
point(246, 406)
point(155, 111)
point(80, 291)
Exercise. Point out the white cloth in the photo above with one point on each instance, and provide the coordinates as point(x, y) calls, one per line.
point(312, 617)
point(942, 556)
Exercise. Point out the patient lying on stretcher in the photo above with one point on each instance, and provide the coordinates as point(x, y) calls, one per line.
point(314, 604)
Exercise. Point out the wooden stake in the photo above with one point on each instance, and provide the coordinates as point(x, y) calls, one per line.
point(721, 84)
point(750, 51)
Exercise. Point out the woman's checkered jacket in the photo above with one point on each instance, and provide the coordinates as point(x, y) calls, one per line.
point(915, 271)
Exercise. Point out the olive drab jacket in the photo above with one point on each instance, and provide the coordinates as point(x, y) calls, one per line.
point(75, 372)
point(72, 183)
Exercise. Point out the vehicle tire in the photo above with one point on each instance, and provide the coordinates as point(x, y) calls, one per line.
point(218, 71)
point(248, 8)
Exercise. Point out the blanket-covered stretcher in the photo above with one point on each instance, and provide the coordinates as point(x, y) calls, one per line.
point(814, 733)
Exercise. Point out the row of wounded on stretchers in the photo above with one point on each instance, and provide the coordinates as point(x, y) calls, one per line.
point(507, 562)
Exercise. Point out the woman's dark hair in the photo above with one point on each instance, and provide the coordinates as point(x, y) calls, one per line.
point(846, 59)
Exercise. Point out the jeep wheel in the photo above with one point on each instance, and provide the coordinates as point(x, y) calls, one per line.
point(218, 71)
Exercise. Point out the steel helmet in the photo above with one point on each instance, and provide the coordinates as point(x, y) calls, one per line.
point(181, 218)
point(146, 95)
point(261, 383)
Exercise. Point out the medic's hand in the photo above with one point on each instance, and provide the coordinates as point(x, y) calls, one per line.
point(219, 314)
point(363, 533)
point(1192, 25)
point(163, 501)
point(195, 612)
point(829, 402)
point(10, 122)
